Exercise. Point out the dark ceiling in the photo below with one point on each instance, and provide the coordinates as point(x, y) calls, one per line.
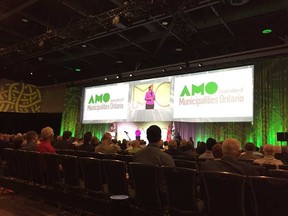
point(43, 42)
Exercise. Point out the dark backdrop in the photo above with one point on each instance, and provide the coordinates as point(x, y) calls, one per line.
point(22, 122)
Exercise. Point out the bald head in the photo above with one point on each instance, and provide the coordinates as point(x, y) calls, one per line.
point(268, 149)
point(231, 147)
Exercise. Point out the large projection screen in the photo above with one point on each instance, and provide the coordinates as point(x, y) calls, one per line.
point(224, 95)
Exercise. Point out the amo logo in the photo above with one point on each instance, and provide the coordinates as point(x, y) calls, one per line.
point(208, 88)
point(99, 98)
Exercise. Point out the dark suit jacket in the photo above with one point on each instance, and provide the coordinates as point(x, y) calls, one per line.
point(229, 164)
point(86, 147)
point(63, 144)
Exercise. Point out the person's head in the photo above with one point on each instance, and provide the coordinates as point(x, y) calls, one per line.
point(277, 149)
point(66, 135)
point(153, 134)
point(150, 88)
point(183, 143)
point(88, 137)
point(285, 149)
point(210, 142)
point(47, 133)
point(217, 151)
point(31, 136)
point(106, 136)
point(231, 147)
point(268, 149)
point(135, 143)
point(201, 147)
point(172, 144)
point(190, 145)
point(249, 146)
point(18, 141)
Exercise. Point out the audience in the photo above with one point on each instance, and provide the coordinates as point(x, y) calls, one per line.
point(105, 145)
point(31, 141)
point(18, 141)
point(210, 142)
point(46, 139)
point(229, 162)
point(65, 142)
point(135, 147)
point(217, 151)
point(86, 146)
point(268, 158)
point(249, 152)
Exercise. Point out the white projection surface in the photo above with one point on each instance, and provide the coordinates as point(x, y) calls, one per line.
point(224, 95)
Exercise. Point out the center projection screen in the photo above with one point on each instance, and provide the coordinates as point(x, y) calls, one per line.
point(224, 95)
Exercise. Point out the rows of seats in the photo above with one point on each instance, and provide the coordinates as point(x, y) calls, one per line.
point(87, 184)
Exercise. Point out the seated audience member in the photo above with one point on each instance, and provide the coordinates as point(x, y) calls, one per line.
point(249, 152)
point(17, 142)
point(31, 141)
point(172, 148)
point(190, 151)
point(65, 142)
point(105, 145)
point(183, 146)
point(135, 147)
point(229, 162)
point(283, 156)
point(46, 139)
point(201, 148)
point(152, 155)
point(210, 142)
point(86, 146)
point(268, 156)
point(95, 141)
point(217, 151)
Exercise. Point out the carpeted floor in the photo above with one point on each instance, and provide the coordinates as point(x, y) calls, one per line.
point(20, 206)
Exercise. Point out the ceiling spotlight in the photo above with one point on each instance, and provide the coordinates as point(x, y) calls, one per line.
point(200, 65)
point(105, 78)
point(130, 75)
point(24, 20)
point(78, 69)
point(40, 58)
point(164, 70)
point(48, 75)
point(178, 49)
point(31, 73)
point(164, 23)
point(117, 77)
point(84, 45)
point(41, 43)
point(180, 67)
point(119, 62)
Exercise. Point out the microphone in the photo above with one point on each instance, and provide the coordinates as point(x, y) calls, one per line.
point(125, 132)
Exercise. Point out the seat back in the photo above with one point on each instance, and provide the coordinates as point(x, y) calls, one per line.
point(181, 187)
point(279, 173)
point(22, 165)
point(9, 158)
point(115, 172)
point(145, 182)
point(91, 169)
point(224, 193)
point(270, 194)
point(186, 164)
point(70, 170)
point(52, 169)
point(36, 165)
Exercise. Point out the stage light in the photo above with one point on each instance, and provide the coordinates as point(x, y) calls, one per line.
point(84, 45)
point(117, 77)
point(31, 73)
point(105, 78)
point(119, 62)
point(180, 67)
point(200, 65)
point(130, 75)
point(164, 23)
point(25, 20)
point(164, 70)
point(40, 58)
point(178, 49)
point(77, 69)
